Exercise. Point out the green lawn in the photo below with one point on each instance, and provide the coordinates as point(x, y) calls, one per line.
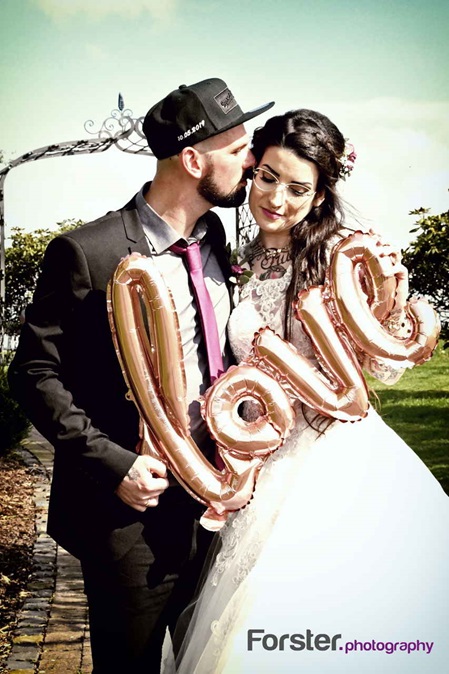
point(417, 407)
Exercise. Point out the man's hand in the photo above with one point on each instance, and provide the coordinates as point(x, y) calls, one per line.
point(141, 489)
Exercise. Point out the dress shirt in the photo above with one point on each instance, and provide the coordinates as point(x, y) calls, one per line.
point(160, 236)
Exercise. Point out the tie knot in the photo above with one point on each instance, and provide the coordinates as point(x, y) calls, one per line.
point(192, 253)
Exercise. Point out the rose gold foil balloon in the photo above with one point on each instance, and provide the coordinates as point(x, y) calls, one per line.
point(153, 353)
point(239, 438)
point(341, 393)
point(152, 365)
point(362, 308)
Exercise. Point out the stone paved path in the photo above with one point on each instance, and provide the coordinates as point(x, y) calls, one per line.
point(52, 635)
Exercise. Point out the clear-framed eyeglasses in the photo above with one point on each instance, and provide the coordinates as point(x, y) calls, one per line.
point(267, 182)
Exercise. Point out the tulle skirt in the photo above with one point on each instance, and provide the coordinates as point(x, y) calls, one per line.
point(340, 563)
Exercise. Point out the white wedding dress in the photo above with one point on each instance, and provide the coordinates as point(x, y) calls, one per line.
point(347, 534)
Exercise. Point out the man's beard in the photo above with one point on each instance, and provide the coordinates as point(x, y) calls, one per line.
point(209, 190)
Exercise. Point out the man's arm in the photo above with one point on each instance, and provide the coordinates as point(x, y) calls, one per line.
point(37, 379)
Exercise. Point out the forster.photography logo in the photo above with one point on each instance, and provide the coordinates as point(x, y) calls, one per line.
point(259, 639)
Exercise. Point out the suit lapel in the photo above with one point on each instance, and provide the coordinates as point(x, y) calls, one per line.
point(137, 241)
point(216, 237)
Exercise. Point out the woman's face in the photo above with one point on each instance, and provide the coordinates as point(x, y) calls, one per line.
point(276, 211)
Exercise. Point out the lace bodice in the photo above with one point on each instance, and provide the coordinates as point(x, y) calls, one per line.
point(262, 303)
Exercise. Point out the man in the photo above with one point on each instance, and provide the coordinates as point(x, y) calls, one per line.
point(140, 562)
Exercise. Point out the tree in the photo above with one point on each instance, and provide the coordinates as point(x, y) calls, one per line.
point(23, 261)
point(427, 259)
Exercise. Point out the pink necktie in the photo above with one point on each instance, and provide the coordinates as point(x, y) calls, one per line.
point(205, 307)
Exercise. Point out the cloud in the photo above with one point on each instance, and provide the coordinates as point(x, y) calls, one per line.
point(95, 52)
point(428, 117)
point(402, 164)
point(160, 10)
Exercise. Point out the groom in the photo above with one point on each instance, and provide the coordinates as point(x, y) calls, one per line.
point(134, 531)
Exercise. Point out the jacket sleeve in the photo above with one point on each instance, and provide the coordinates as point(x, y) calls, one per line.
point(37, 373)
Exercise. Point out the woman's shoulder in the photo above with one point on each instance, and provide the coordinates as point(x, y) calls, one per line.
point(341, 234)
point(335, 239)
point(344, 232)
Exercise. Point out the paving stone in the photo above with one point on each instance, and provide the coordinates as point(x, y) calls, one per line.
point(17, 667)
point(52, 634)
point(30, 614)
point(25, 652)
point(29, 639)
point(32, 622)
point(25, 627)
point(44, 556)
point(35, 604)
point(63, 661)
point(45, 560)
point(59, 639)
point(76, 621)
point(35, 585)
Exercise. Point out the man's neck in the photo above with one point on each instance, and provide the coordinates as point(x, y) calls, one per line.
point(183, 214)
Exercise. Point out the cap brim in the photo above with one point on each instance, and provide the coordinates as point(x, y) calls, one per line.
point(256, 111)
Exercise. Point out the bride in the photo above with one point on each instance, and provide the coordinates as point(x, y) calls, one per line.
point(340, 562)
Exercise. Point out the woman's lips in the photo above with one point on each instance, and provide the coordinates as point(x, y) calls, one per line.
point(271, 214)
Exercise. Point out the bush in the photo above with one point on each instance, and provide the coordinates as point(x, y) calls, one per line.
point(14, 425)
point(427, 259)
point(23, 260)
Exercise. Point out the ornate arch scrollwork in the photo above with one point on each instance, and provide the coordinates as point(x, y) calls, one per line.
point(121, 129)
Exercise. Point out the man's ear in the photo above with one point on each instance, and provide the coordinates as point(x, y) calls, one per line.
point(192, 162)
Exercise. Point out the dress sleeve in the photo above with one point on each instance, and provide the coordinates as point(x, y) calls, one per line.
point(389, 371)
point(382, 371)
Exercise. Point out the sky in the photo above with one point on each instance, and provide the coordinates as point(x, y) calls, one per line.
point(378, 69)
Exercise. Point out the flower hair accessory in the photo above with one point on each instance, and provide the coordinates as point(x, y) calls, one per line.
point(347, 160)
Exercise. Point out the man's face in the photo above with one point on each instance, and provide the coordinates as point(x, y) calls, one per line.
point(228, 158)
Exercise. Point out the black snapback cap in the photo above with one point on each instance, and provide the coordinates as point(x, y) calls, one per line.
point(193, 113)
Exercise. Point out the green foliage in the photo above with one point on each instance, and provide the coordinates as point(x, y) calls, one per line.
point(427, 259)
point(13, 423)
point(23, 265)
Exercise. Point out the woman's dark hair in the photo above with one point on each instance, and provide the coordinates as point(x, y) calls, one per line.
point(312, 136)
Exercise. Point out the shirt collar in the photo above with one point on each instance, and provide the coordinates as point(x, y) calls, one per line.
point(160, 234)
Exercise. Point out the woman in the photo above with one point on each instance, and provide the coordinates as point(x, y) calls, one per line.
point(343, 551)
